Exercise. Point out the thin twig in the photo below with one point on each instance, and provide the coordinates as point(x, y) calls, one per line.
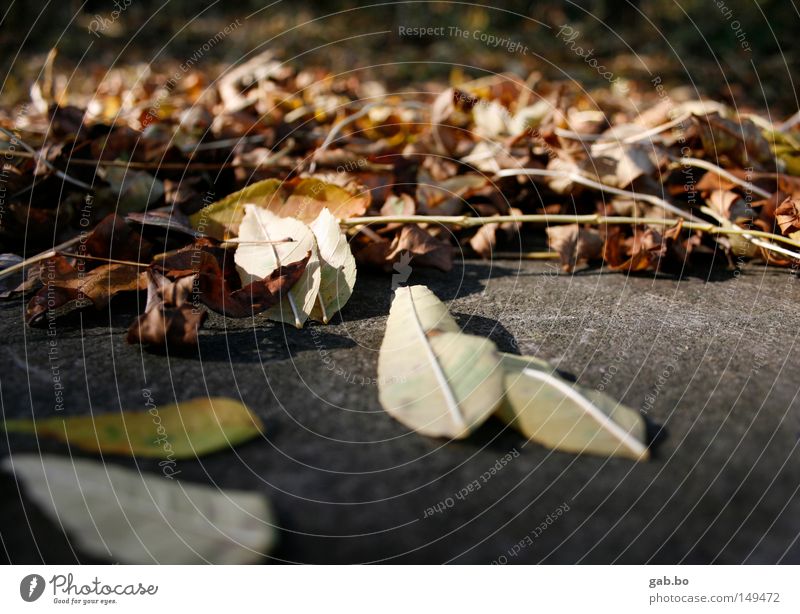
point(698, 163)
point(754, 240)
point(604, 141)
point(278, 165)
point(39, 257)
point(594, 219)
point(590, 183)
point(99, 259)
point(526, 255)
point(39, 158)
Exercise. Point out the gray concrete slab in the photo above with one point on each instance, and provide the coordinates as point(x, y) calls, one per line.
point(714, 361)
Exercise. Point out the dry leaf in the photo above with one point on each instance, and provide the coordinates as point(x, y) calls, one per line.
point(425, 251)
point(67, 288)
point(575, 244)
point(142, 519)
point(256, 261)
point(189, 429)
point(219, 284)
point(302, 199)
point(432, 377)
point(788, 216)
point(558, 415)
point(169, 319)
point(337, 267)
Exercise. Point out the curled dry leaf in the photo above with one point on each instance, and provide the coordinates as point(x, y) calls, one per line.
point(425, 250)
point(742, 142)
point(432, 377)
point(561, 416)
point(219, 284)
point(788, 216)
point(575, 244)
point(134, 190)
point(337, 267)
point(302, 199)
point(620, 164)
point(67, 288)
point(256, 260)
point(485, 239)
point(143, 519)
point(441, 382)
point(169, 319)
point(647, 249)
point(188, 429)
point(114, 238)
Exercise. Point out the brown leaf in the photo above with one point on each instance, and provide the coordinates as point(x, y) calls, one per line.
point(725, 202)
point(646, 249)
point(575, 244)
point(788, 216)
point(484, 241)
point(113, 238)
point(67, 288)
point(169, 320)
point(218, 284)
point(423, 248)
point(742, 143)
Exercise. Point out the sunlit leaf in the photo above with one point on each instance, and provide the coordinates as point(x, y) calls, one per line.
point(185, 430)
point(559, 415)
point(302, 199)
point(256, 259)
point(337, 267)
point(432, 377)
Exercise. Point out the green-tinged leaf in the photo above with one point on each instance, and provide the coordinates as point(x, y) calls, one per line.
point(337, 267)
point(186, 430)
point(255, 260)
point(222, 218)
point(431, 377)
point(302, 199)
point(558, 415)
point(138, 518)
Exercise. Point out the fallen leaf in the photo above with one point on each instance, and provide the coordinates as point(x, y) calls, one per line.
point(135, 190)
point(485, 239)
point(189, 429)
point(620, 164)
point(432, 377)
point(257, 260)
point(113, 238)
point(137, 518)
point(647, 249)
point(67, 288)
point(561, 416)
point(575, 244)
point(169, 320)
point(425, 250)
point(787, 216)
point(302, 199)
point(742, 142)
point(219, 284)
point(337, 267)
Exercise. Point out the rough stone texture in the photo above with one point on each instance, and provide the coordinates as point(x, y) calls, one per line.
point(712, 360)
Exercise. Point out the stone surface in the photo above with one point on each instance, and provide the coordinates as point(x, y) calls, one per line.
point(713, 360)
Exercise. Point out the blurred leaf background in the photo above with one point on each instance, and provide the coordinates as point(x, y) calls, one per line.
point(685, 42)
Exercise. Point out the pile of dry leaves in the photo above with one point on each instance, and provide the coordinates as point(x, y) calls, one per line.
point(264, 189)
